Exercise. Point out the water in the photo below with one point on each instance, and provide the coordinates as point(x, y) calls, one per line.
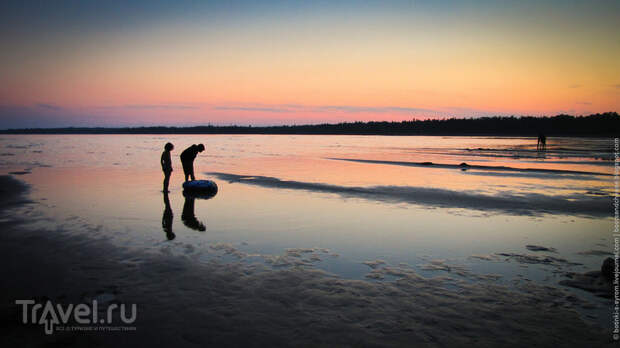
point(337, 203)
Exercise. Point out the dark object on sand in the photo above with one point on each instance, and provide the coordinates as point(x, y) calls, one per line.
point(596, 282)
point(539, 248)
point(200, 188)
point(607, 269)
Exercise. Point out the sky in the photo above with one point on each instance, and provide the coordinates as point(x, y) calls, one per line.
point(181, 63)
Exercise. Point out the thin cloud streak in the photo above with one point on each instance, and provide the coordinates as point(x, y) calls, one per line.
point(48, 106)
point(448, 111)
point(251, 109)
point(293, 108)
point(150, 107)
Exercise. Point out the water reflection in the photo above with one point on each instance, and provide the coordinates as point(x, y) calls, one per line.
point(291, 196)
point(166, 219)
point(188, 216)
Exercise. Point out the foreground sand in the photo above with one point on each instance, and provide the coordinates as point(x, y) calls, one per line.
point(184, 303)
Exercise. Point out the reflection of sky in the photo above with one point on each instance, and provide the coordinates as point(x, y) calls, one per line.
point(107, 187)
point(272, 220)
point(114, 181)
point(186, 62)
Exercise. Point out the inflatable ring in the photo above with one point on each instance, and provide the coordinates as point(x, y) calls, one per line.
point(200, 188)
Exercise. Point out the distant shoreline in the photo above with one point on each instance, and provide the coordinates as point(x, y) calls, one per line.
point(596, 125)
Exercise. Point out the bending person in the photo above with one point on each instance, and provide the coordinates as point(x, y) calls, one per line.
point(187, 159)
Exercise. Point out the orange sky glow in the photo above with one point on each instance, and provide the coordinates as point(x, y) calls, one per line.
point(323, 63)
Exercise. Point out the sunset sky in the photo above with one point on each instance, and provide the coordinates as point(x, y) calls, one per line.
point(129, 63)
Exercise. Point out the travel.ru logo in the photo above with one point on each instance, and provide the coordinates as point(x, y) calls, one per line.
point(50, 316)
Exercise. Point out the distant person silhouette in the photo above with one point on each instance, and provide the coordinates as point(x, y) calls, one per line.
point(187, 159)
point(166, 165)
point(188, 216)
point(166, 219)
point(542, 142)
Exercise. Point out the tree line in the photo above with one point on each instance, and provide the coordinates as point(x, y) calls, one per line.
point(600, 124)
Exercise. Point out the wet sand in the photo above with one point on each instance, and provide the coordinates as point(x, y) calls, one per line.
point(465, 166)
point(185, 303)
point(522, 204)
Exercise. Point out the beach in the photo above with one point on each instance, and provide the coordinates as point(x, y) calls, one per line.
point(295, 262)
point(309, 173)
point(234, 304)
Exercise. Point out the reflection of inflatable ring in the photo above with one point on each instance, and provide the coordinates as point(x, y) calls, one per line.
point(204, 189)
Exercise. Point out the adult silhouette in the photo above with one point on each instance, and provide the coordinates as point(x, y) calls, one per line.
point(187, 159)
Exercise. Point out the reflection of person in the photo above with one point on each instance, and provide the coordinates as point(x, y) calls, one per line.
point(187, 159)
point(188, 216)
point(166, 219)
point(166, 165)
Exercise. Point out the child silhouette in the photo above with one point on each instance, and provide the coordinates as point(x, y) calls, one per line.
point(166, 165)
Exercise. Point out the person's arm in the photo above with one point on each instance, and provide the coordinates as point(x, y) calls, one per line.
point(166, 163)
point(169, 162)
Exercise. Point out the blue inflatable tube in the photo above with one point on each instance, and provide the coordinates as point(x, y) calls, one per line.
point(200, 188)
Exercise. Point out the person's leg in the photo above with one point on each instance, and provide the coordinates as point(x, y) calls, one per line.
point(186, 170)
point(192, 172)
point(166, 181)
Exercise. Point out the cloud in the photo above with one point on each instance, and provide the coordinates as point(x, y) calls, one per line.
point(292, 108)
point(251, 108)
point(584, 103)
point(48, 106)
point(462, 111)
point(161, 106)
point(39, 115)
point(574, 86)
point(371, 109)
point(151, 107)
point(355, 109)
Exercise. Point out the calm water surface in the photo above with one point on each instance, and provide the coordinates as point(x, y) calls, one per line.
point(294, 201)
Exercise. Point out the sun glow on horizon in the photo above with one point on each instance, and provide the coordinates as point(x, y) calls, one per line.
point(277, 63)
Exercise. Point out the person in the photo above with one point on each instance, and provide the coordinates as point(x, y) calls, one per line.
point(187, 159)
point(166, 165)
point(542, 142)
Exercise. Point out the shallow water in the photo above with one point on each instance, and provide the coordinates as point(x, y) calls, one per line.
point(349, 205)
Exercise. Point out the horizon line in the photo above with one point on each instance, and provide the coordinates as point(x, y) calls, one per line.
point(434, 119)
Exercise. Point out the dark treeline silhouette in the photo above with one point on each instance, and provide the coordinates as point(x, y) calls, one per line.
point(593, 125)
